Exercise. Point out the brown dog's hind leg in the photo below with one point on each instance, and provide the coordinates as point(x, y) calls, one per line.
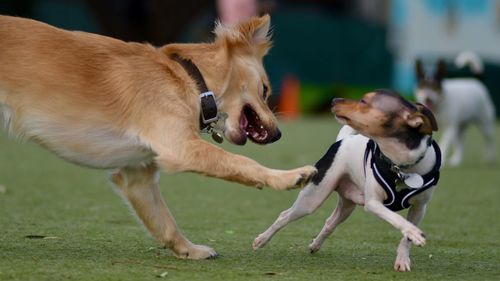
point(139, 186)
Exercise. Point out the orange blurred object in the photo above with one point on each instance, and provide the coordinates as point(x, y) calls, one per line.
point(288, 105)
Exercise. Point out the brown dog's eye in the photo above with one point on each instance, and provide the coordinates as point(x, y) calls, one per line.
point(265, 89)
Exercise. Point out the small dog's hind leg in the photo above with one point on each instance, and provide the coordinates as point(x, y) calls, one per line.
point(309, 199)
point(488, 129)
point(139, 186)
point(344, 209)
point(446, 140)
point(458, 147)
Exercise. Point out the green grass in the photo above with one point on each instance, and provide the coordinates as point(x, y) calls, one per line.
point(96, 238)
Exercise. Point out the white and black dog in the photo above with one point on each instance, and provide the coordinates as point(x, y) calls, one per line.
point(458, 102)
point(392, 164)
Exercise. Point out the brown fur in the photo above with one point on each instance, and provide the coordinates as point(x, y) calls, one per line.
point(105, 103)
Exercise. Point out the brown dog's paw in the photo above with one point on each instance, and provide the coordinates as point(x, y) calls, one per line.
point(196, 252)
point(296, 178)
point(306, 174)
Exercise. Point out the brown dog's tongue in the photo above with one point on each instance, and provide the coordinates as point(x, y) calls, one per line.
point(243, 122)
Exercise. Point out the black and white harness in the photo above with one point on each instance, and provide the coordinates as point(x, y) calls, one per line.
point(389, 176)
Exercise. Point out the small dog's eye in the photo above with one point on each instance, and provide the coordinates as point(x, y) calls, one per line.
point(265, 89)
point(362, 101)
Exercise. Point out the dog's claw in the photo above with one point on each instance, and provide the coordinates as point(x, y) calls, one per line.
point(213, 256)
point(196, 252)
point(402, 265)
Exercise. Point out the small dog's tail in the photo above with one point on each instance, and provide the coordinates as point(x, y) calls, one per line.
point(471, 60)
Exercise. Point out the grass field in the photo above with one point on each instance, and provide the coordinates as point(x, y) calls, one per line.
point(90, 234)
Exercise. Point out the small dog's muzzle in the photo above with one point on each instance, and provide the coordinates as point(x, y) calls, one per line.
point(337, 100)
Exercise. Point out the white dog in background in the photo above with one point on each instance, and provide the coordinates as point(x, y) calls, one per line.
point(458, 102)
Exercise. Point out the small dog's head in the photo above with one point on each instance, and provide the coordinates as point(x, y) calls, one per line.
point(385, 114)
point(245, 97)
point(429, 89)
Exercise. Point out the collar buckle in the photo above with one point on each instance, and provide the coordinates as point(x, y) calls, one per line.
point(209, 112)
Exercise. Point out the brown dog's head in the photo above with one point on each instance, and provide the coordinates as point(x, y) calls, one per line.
point(245, 95)
point(385, 114)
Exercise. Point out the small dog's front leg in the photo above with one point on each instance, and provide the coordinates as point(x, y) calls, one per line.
point(374, 196)
point(409, 231)
point(202, 157)
point(415, 216)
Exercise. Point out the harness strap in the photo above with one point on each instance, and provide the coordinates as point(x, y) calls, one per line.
point(388, 179)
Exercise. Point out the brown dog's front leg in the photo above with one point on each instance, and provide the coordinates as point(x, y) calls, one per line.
point(139, 187)
point(202, 157)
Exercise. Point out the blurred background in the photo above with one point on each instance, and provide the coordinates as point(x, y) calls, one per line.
point(322, 48)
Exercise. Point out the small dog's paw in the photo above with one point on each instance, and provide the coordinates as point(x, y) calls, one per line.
point(259, 242)
point(196, 252)
point(314, 246)
point(402, 263)
point(415, 235)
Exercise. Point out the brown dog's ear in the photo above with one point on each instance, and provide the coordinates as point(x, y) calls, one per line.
point(259, 29)
point(429, 123)
point(251, 35)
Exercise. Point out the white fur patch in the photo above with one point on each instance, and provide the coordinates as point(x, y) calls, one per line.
point(95, 147)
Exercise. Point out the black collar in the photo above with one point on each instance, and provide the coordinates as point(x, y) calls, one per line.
point(398, 168)
point(209, 114)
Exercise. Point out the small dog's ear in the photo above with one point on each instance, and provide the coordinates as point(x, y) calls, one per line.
point(415, 121)
point(440, 70)
point(428, 117)
point(419, 70)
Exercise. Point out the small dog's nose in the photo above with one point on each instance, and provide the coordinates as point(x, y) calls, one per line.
point(277, 136)
point(337, 100)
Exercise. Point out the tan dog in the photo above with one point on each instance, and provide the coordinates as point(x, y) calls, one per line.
point(104, 103)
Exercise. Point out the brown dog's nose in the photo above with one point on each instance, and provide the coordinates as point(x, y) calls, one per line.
point(276, 136)
point(337, 100)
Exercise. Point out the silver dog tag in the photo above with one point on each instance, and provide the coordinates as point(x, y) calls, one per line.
point(414, 180)
point(217, 137)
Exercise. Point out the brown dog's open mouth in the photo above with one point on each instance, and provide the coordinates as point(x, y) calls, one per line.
point(252, 126)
